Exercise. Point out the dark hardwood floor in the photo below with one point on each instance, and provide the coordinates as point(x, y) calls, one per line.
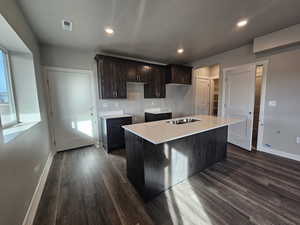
point(89, 187)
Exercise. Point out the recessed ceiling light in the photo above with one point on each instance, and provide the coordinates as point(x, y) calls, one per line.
point(180, 50)
point(109, 30)
point(242, 23)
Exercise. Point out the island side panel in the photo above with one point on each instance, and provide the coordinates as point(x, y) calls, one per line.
point(221, 148)
point(135, 160)
point(172, 162)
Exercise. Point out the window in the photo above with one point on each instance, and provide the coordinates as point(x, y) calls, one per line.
point(7, 103)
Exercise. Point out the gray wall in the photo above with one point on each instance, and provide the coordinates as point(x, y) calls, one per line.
point(22, 160)
point(178, 97)
point(282, 123)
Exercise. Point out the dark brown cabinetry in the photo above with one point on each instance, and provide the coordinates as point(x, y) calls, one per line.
point(113, 73)
point(178, 74)
point(148, 167)
point(113, 133)
point(137, 72)
point(111, 77)
point(156, 85)
point(149, 117)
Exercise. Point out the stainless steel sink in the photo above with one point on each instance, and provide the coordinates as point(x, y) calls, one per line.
point(183, 121)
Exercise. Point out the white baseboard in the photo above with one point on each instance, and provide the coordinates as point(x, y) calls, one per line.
point(280, 153)
point(34, 203)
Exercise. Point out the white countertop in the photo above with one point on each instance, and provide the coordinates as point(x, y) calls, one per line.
point(158, 110)
point(115, 116)
point(160, 131)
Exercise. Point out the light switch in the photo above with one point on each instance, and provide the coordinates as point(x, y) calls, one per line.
point(272, 103)
point(298, 140)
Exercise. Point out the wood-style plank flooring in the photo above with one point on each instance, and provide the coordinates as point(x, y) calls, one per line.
point(89, 187)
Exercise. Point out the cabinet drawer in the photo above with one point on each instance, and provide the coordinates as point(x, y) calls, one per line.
point(150, 117)
point(118, 122)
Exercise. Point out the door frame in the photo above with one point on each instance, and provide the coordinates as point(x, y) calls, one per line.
point(265, 64)
point(45, 70)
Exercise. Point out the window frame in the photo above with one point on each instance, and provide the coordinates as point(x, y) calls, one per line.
point(10, 86)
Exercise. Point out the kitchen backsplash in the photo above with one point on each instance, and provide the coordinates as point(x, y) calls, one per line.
point(179, 100)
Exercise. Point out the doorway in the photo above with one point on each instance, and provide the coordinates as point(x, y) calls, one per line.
point(206, 86)
point(257, 102)
point(243, 98)
point(72, 108)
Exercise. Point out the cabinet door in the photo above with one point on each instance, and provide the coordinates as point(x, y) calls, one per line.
point(131, 72)
point(149, 86)
point(159, 82)
point(106, 68)
point(119, 79)
point(143, 72)
point(113, 78)
point(180, 75)
point(156, 85)
point(115, 132)
point(187, 74)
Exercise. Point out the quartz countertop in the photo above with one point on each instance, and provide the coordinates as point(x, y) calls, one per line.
point(160, 131)
point(115, 116)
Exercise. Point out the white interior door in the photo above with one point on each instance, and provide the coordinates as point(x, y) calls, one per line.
point(202, 97)
point(239, 103)
point(72, 108)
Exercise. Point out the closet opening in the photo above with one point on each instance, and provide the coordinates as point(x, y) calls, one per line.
point(257, 103)
point(206, 86)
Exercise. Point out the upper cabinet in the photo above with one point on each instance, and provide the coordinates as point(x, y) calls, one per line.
point(136, 72)
point(113, 73)
point(156, 84)
point(142, 72)
point(111, 77)
point(178, 74)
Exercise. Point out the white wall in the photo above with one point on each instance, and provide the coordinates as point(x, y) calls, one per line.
point(282, 123)
point(22, 159)
point(67, 57)
point(178, 97)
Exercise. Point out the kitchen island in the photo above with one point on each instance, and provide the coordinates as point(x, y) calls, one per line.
point(164, 153)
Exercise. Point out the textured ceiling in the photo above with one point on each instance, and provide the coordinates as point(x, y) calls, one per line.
point(154, 29)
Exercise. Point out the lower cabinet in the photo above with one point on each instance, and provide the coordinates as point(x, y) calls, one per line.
point(150, 117)
point(113, 133)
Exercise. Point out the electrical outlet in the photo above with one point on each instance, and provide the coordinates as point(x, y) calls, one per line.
point(298, 140)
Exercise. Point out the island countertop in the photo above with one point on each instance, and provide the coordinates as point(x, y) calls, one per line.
point(160, 131)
